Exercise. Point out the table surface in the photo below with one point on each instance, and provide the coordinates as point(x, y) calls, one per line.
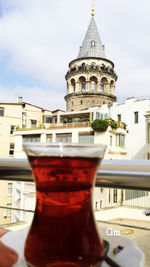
point(129, 256)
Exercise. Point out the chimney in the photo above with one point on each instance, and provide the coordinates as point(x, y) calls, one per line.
point(20, 99)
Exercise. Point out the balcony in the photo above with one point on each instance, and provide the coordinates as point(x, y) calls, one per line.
point(113, 174)
point(91, 68)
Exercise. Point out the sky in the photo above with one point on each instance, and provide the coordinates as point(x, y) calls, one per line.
point(38, 39)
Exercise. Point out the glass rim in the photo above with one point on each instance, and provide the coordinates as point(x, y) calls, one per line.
point(64, 150)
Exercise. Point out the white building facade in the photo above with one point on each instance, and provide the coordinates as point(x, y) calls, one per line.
point(133, 113)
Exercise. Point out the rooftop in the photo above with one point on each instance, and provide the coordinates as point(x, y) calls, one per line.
point(92, 45)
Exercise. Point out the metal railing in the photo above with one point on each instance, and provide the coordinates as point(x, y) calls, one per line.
point(126, 174)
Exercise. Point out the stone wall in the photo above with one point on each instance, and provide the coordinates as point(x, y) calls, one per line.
point(80, 102)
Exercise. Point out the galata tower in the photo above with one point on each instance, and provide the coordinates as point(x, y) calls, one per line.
point(91, 78)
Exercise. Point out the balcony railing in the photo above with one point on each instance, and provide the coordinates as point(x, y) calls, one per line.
point(125, 174)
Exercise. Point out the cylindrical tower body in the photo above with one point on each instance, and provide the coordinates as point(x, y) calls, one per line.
point(90, 82)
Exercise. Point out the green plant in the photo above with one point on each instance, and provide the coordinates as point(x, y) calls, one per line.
point(99, 125)
point(17, 128)
point(113, 124)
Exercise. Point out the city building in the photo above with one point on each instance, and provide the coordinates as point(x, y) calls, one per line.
point(15, 116)
point(133, 112)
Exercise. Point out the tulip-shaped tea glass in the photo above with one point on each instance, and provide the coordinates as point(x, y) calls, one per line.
point(63, 232)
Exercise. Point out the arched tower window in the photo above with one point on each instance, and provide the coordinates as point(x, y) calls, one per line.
point(112, 83)
point(67, 87)
point(93, 85)
point(82, 83)
point(112, 86)
point(83, 66)
point(73, 84)
point(103, 83)
point(102, 86)
point(93, 81)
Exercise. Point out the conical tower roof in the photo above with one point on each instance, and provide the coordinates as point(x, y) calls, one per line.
point(92, 45)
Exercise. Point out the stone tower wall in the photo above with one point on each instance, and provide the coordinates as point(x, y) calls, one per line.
point(82, 102)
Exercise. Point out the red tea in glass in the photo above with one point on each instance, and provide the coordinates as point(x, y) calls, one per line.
point(63, 231)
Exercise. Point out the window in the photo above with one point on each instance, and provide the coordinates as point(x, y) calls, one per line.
point(1, 112)
point(81, 102)
point(48, 119)
point(10, 188)
point(9, 210)
point(73, 84)
point(136, 117)
point(120, 140)
point(83, 85)
point(119, 117)
point(99, 116)
point(93, 43)
point(24, 119)
point(55, 119)
point(92, 102)
point(31, 138)
point(86, 138)
point(92, 85)
point(65, 137)
point(12, 129)
point(122, 195)
point(83, 65)
point(102, 86)
point(33, 123)
point(49, 138)
point(11, 149)
point(111, 140)
point(115, 195)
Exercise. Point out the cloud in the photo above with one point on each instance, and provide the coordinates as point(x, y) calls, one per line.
point(34, 41)
point(44, 98)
